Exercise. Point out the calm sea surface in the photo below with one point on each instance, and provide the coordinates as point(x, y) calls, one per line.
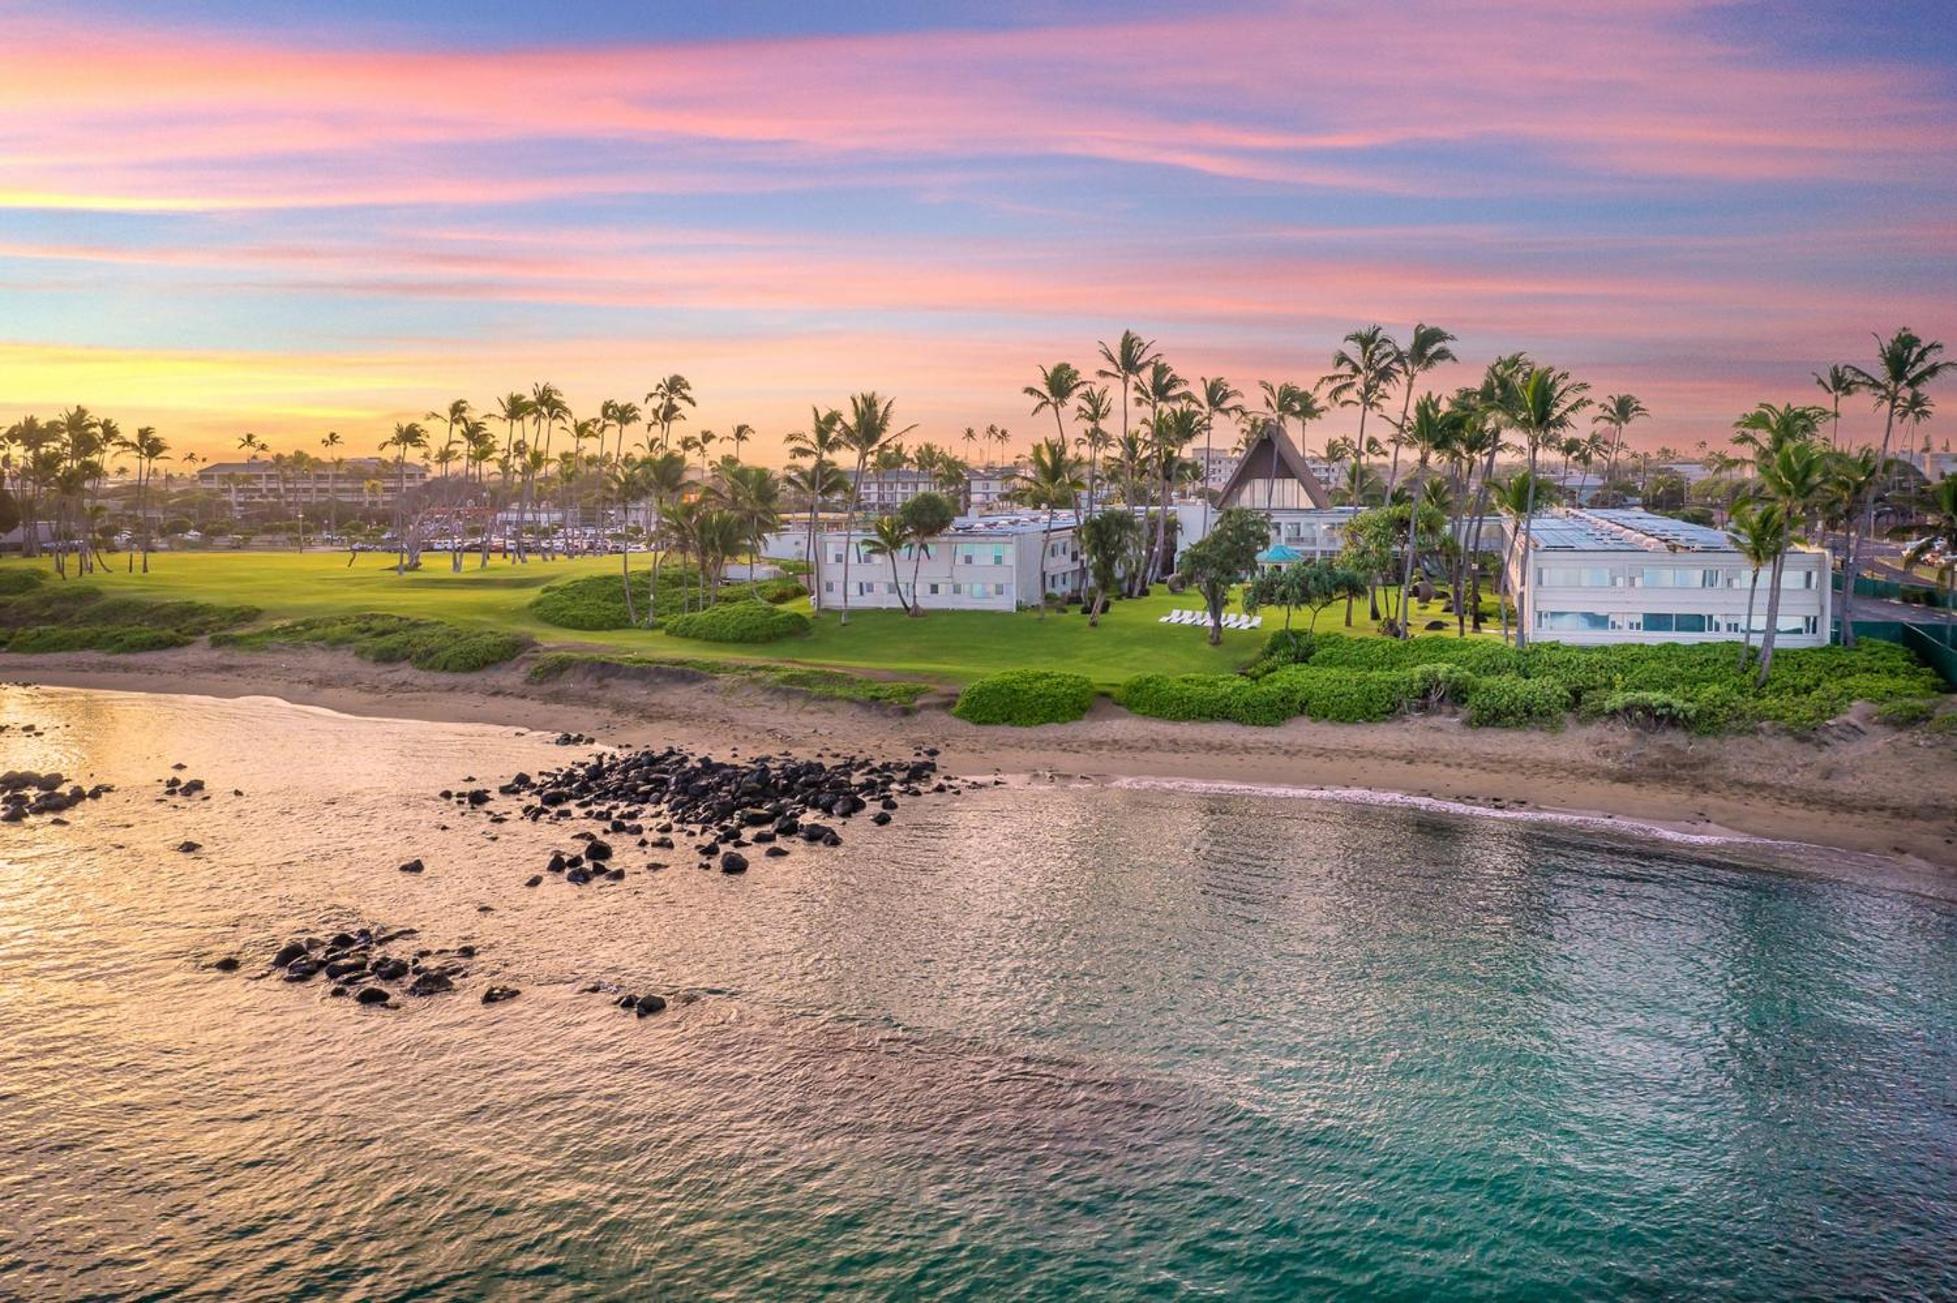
point(1027, 1042)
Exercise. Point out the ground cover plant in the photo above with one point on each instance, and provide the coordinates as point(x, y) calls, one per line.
point(37, 615)
point(1025, 698)
point(375, 636)
point(829, 685)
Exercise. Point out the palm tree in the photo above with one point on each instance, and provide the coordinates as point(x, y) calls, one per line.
point(1838, 382)
point(870, 425)
point(1759, 531)
point(1217, 399)
point(1126, 363)
point(1432, 430)
point(149, 448)
point(667, 403)
point(924, 518)
point(887, 539)
point(740, 434)
point(1617, 412)
point(1546, 404)
point(1426, 350)
point(1058, 385)
point(1051, 483)
point(1793, 476)
point(625, 483)
point(251, 444)
point(819, 444)
point(752, 495)
point(1362, 373)
point(1905, 363)
point(405, 436)
point(663, 476)
point(1096, 405)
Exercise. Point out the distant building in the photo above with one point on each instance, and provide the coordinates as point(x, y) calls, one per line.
point(988, 486)
point(883, 492)
point(1217, 465)
point(358, 479)
point(990, 563)
point(1597, 576)
point(1934, 465)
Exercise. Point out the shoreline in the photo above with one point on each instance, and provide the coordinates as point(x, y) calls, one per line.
point(1855, 786)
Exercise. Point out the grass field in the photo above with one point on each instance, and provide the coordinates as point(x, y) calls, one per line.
point(951, 647)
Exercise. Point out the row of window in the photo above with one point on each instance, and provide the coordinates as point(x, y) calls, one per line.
point(871, 587)
point(1667, 622)
point(964, 553)
point(1665, 577)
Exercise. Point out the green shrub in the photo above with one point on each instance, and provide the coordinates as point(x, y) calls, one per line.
point(830, 685)
point(1341, 696)
point(1510, 701)
point(38, 617)
point(1906, 712)
point(1207, 697)
point(746, 621)
point(15, 580)
point(598, 601)
point(1648, 709)
point(1440, 683)
point(1026, 698)
point(118, 638)
point(1284, 647)
point(388, 639)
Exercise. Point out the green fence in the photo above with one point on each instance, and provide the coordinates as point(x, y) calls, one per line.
point(1915, 594)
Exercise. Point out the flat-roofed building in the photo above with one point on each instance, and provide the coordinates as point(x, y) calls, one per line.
point(982, 563)
point(1626, 575)
point(358, 479)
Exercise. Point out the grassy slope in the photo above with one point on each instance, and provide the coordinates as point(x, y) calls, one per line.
point(944, 645)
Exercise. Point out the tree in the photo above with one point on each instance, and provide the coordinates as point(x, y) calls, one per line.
point(1759, 531)
point(1313, 585)
point(1905, 363)
point(666, 405)
point(663, 476)
point(752, 496)
point(1126, 363)
point(1051, 483)
point(819, 445)
point(1793, 476)
point(1106, 539)
point(1838, 382)
point(1217, 399)
point(1222, 558)
point(1092, 412)
point(1545, 404)
point(1058, 385)
point(1617, 412)
point(870, 425)
point(1172, 429)
point(1433, 430)
point(626, 484)
point(924, 518)
point(1362, 373)
point(887, 538)
point(1426, 350)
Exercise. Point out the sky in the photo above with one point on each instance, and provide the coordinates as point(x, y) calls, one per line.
point(229, 215)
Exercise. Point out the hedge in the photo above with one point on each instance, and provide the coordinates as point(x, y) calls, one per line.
point(1025, 698)
point(387, 639)
point(1510, 701)
point(1207, 697)
point(745, 621)
point(598, 601)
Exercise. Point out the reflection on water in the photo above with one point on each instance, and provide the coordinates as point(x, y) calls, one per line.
point(1024, 1042)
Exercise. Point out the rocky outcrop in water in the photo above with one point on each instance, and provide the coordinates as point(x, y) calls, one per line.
point(25, 793)
point(370, 965)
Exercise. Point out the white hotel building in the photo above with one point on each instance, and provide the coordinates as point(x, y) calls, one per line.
point(990, 563)
point(1596, 576)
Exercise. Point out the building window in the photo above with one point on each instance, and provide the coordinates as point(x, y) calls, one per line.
point(934, 590)
point(1575, 577)
point(1572, 620)
point(828, 585)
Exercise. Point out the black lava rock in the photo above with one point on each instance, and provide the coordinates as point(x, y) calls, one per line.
point(733, 862)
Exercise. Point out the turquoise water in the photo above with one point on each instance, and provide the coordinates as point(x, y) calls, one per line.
point(1033, 1042)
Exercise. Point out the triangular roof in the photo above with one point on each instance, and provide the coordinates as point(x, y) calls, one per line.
point(1256, 464)
point(1279, 554)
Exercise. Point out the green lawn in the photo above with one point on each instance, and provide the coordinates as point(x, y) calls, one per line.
point(952, 647)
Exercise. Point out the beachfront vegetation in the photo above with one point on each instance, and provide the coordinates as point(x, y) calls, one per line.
point(600, 601)
point(748, 621)
point(826, 685)
point(1025, 698)
point(383, 638)
point(37, 617)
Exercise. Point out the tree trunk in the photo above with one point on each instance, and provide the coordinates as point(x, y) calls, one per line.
point(849, 525)
point(1528, 539)
point(1768, 635)
point(1746, 633)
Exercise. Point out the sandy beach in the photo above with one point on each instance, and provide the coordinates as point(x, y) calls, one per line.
point(1855, 785)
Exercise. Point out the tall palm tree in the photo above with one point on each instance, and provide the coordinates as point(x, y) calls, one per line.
point(1217, 399)
point(1160, 388)
point(1362, 374)
point(149, 448)
point(667, 403)
point(820, 445)
point(406, 436)
point(1126, 362)
point(1426, 350)
point(1905, 363)
point(1052, 482)
point(1546, 404)
point(663, 477)
point(1617, 412)
point(1432, 430)
point(1838, 382)
point(870, 425)
point(1793, 476)
point(1759, 531)
point(752, 495)
point(1092, 411)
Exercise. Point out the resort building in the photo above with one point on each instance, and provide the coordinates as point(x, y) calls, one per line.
point(989, 563)
point(986, 488)
point(883, 492)
point(372, 480)
point(1598, 576)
